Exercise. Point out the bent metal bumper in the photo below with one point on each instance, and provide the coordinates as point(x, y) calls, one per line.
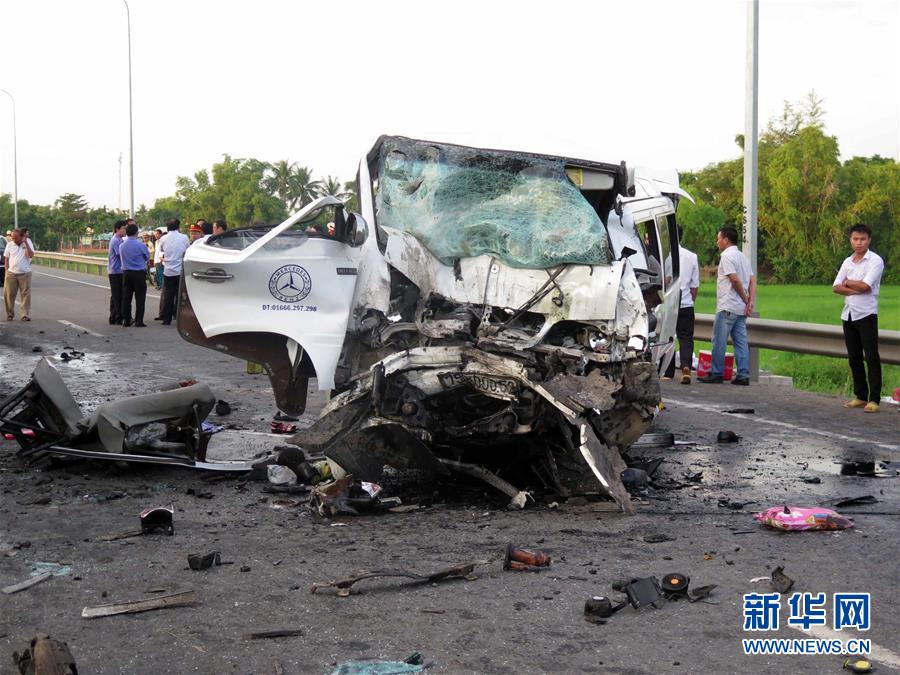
point(378, 420)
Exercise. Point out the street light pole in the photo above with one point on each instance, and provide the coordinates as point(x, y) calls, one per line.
point(130, 116)
point(15, 164)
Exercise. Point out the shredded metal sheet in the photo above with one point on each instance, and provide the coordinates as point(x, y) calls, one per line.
point(463, 202)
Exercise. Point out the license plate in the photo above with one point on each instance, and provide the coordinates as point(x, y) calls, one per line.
point(501, 387)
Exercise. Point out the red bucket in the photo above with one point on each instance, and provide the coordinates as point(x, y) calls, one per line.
point(704, 364)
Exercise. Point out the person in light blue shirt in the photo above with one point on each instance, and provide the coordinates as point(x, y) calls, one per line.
point(135, 259)
point(114, 270)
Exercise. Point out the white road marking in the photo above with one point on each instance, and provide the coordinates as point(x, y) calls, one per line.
point(879, 653)
point(86, 283)
point(786, 425)
point(81, 328)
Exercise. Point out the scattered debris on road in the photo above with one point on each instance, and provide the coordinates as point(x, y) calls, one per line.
point(675, 585)
point(200, 561)
point(799, 518)
point(28, 583)
point(158, 520)
point(781, 582)
point(727, 437)
point(855, 501)
point(414, 664)
point(599, 608)
point(347, 496)
point(182, 599)
point(45, 656)
point(343, 586)
point(269, 634)
point(701, 593)
point(522, 559)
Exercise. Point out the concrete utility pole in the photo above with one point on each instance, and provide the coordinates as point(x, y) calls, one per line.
point(15, 164)
point(751, 129)
point(130, 117)
point(751, 154)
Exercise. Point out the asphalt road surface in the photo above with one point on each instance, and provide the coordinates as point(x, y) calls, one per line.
point(501, 622)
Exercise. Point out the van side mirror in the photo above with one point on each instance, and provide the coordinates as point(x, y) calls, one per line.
point(358, 230)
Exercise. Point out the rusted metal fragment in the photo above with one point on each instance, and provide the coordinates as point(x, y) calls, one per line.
point(607, 465)
point(465, 571)
point(518, 497)
point(593, 392)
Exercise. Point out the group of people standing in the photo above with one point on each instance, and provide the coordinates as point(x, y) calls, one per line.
point(859, 281)
point(131, 260)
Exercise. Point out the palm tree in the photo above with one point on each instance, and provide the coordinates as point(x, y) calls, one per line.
point(278, 180)
point(305, 189)
point(292, 184)
point(331, 185)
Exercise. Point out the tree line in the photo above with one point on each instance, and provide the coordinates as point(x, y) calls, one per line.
point(808, 199)
point(243, 191)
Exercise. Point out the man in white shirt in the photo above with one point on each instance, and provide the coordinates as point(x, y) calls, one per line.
point(172, 248)
point(735, 299)
point(689, 270)
point(18, 256)
point(859, 281)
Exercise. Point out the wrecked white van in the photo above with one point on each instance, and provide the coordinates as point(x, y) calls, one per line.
point(498, 313)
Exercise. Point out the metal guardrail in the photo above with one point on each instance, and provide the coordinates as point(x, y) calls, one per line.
point(786, 336)
point(802, 338)
point(75, 263)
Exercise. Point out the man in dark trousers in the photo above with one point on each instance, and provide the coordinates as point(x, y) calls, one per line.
point(859, 281)
point(114, 270)
point(684, 329)
point(173, 246)
point(135, 257)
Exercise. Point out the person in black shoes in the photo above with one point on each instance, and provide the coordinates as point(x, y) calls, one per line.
point(114, 272)
point(859, 281)
point(173, 246)
point(135, 257)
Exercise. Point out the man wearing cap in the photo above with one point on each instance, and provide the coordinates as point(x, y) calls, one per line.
point(114, 272)
point(196, 231)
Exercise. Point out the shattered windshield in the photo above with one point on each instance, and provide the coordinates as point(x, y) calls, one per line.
point(462, 202)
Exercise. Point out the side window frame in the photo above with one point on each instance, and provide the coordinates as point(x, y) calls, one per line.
point(668, 234)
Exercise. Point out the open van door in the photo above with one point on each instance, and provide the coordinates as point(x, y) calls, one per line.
point(658, 272)
point(280, 297)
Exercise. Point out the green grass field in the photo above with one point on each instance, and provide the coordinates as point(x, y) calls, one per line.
point(814, 304)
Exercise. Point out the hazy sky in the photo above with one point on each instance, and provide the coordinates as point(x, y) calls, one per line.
point(653, 83)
